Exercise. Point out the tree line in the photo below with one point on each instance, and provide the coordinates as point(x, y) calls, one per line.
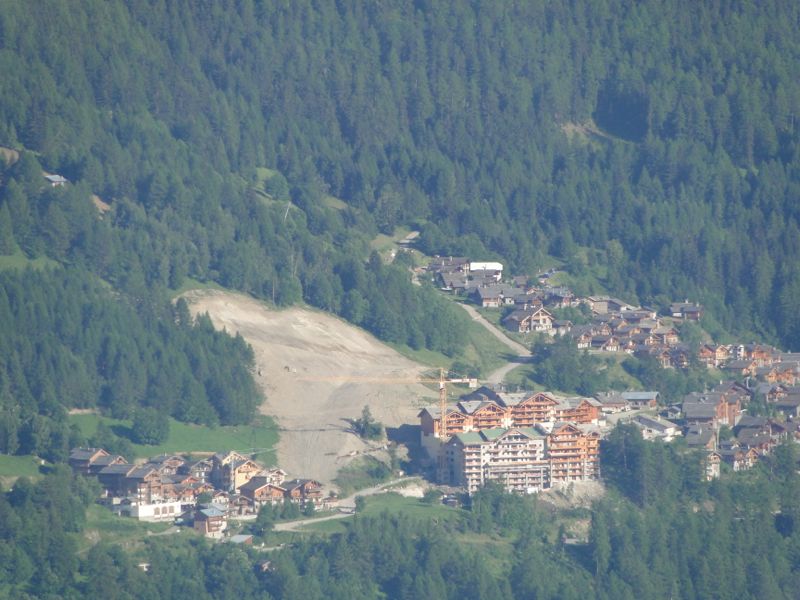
point(471, 121)
point(69, 343)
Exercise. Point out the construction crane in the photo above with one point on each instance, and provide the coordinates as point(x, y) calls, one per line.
point(442, 382)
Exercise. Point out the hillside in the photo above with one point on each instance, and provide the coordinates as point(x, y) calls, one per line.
point(447, 117)
point(316, 371)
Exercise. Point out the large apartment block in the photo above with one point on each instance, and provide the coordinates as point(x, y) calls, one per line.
point(486, 409)
point(522, 459)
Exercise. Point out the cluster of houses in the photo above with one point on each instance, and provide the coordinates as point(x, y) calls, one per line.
point(533, 441)
point(526, 441)
point(704, 414)
point(700, 417)
point(615, 325)
point(170, 487)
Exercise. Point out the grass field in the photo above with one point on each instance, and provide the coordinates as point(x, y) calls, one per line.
point(258, 439)
point(361, 473)
point(103, 525)
point(12, 467)
point(18, 260)
point(396, 505)
point(481, 350)
point(194, 284)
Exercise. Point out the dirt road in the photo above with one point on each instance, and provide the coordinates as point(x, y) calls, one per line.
point(523, 355)
point(316, 371)
point(347, 504)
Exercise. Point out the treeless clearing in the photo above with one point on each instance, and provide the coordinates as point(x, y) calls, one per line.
point(304, 359)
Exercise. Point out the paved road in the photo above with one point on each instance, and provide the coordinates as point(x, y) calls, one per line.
point(348, 503)
point(523, 355)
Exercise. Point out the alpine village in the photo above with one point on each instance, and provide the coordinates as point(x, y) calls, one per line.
point(399, 300)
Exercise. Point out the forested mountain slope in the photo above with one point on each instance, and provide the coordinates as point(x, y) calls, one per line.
point(449, 115)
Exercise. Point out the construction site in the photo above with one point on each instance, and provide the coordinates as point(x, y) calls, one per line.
point(317, 373)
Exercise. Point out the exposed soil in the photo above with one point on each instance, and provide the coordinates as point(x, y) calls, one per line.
point(316, 371)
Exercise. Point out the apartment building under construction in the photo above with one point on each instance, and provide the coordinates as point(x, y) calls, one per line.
point(522, 459)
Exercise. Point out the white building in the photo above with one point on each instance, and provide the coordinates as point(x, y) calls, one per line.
point(516, 458)
point(653, 428)
point(161, 511)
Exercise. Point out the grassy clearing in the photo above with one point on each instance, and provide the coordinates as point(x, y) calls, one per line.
point(410, 507)
point(619, 378)
point(103, 525)
point(195, 284)
point(520, 378)
point(396, 505)
point(258, 439)
point(495, 317)
point(262, 174)
point(19, 261)
point(334, 203)
point(481, 349)
point(12, 467)
point(383, 243)
point(362, 473)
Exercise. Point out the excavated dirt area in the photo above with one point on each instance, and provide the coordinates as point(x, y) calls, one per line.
point(316, 371)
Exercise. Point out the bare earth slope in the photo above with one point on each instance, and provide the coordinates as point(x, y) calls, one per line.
point(316, 371)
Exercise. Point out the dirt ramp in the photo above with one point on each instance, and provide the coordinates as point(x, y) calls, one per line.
point(316, 372)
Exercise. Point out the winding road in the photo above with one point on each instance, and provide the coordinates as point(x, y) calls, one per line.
point(523, 355)
point(347, 504)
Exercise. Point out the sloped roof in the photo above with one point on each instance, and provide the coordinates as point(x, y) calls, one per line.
point(639, 396)
point(699, 411)
point(85, 453)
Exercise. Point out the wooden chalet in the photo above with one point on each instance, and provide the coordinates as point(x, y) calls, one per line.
point(665, 335)
point(81, 459)
point(167, 464)
point(484, 414)
point(739, 459)
point(112, 478)
point(742, 367)
point(605, 343)
point(303, 490)
point(146, 484)
point(643, 399)
point(211, 521)
point(200, 469)
point(528, 410)
point(231, 470)
point(761, 354)
point(530, 320)
point(713, 355)
point(689, 311)
point(259, 490)
point(583, 411)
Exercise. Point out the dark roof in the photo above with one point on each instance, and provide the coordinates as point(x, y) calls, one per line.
point(482, 393)
point(117, 469)
point(699, 437)
point(141, 472)
point(750, 421)
point(639, 396)
point(108, 460)
point(699, 411)
point(84, 453)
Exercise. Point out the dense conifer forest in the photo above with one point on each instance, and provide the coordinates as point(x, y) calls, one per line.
point(651, 148)
point(661, 532)
point(454, 117)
